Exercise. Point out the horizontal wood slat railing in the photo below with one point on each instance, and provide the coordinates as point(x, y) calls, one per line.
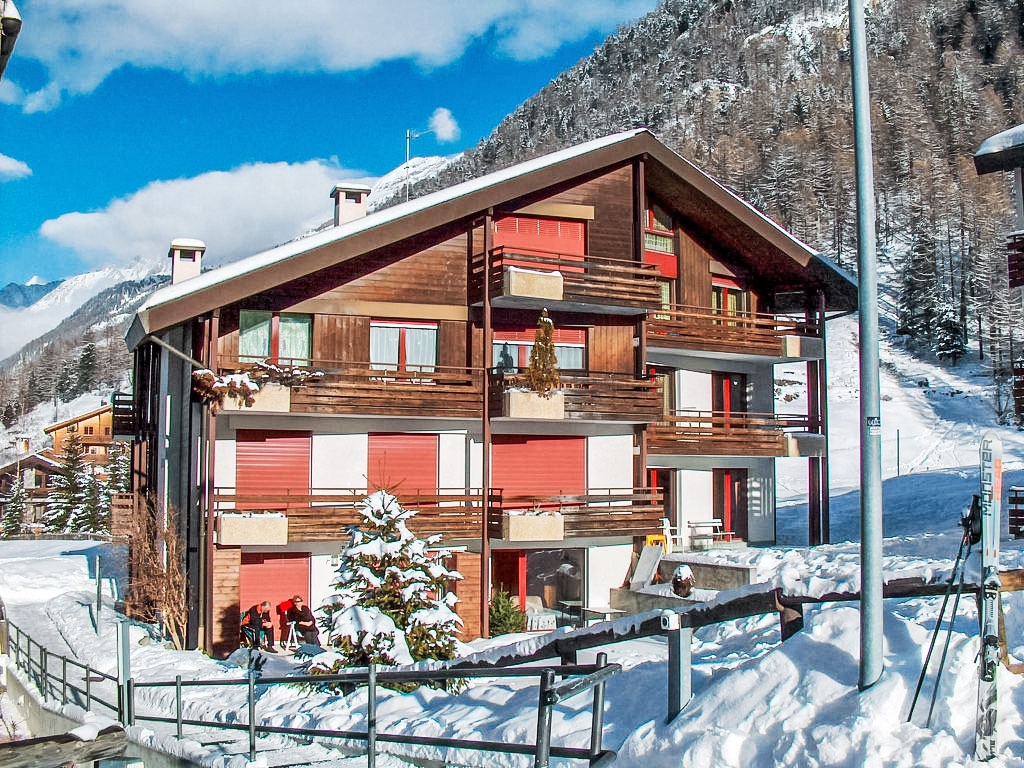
point(325, 514)
point(715, 433)
point(688, 327)
point(593, 394)
point(586, 279)
point(362, 388)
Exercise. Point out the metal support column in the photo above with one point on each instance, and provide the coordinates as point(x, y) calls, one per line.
point(485, 503)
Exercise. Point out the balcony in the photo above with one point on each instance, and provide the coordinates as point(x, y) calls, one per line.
point(454, 513)
point(705, 332)
point(588, 396)
point(360, 389)
point(713, 433)
point(532, 279)
point(122, 416)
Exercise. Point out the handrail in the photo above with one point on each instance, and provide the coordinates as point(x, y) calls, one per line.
point(689, 314)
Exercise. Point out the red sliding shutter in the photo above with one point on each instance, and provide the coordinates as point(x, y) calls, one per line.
point(274, 461)
point(531, 232)
point(523, 464)
point(404, 463)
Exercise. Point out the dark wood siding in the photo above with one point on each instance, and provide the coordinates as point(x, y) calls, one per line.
point(468, 591)
point(610, 348)
point(226, 562)
point(694, 277)
point(341, 338)
point(451, 343)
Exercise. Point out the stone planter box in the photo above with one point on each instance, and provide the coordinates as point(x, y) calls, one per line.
point(532, 527)
point(523, 404)
point(526, 282)
point(262, 528)
point(272, 398)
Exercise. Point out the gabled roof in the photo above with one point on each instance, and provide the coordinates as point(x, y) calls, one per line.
point(75, 419)
point(176, 303)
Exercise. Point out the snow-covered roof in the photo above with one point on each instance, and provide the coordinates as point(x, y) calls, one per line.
point(1002, 152)
point(432, 210)
point(75, 419)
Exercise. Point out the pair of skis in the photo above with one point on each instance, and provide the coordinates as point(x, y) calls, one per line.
point(981, 525)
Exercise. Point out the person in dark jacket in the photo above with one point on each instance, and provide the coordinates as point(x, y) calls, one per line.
point(305, 624)
point(261, 628)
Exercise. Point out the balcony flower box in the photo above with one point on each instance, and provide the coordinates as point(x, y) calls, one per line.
point(259, 528)
point(271, 398)
point(527, 527)
point(526, 404)
point(517, 281)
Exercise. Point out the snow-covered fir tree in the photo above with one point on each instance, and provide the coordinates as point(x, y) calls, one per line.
point(69, 488)
point(14, 512)
point(393, 604)
point(93, 514)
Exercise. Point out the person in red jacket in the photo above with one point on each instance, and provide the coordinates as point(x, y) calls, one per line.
point(260, 627)
point(305, 624)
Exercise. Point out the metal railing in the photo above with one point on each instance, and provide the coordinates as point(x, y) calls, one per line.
point(73, 684)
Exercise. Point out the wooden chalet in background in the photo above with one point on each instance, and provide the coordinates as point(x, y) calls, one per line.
point(672, 300)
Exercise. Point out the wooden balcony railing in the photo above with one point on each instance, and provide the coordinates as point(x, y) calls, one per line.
point(586, 279)
point(122, 416)
point(363, 389)
point(713, 433)
point(701, 328)
point(593, 394)
point(454, 513)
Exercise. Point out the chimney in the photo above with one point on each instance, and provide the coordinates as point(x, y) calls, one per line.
point(186, 257)
point(22, 445)
point(349, 202)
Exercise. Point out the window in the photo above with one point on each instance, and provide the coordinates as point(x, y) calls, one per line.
point(106, 431)
point(87, 430)
point(511, 349)
point(660, 235)
point(279, 336)
point(403, 345)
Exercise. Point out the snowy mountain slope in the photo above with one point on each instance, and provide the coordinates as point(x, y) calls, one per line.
point(17, 295)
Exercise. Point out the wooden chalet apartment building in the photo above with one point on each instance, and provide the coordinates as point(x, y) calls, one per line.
point(672, 301)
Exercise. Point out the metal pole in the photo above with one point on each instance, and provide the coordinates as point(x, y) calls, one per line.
point(130, 699)
point(252, 714)
point(544, 707)
point(371, 716)
point(124, 670)
point(44, 676)
point(63, 680)
point(597, 720)
point(485, 541)
point(177, 704)
point(679, 683)
point(88, 689)
point(897, 453)
point(871, 421)
point(99, 593)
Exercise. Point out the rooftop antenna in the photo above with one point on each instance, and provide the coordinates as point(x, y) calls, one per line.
point(409, 136)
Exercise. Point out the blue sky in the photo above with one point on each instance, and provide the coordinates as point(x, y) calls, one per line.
point(129, 122)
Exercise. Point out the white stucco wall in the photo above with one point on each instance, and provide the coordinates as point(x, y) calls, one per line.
point(610, 461)
point(694, 490)
point(451, 460)
point(224, 463)
point(693, 390)
point(339, 461)
point(607, 567)
point(321, 574)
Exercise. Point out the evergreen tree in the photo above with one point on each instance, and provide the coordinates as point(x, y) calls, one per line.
point(393, 604)
point(10, 415)
point(14, 512)
point(504, 614)
point(950, 335)
point(93, 514)
point(68, 484)
point(85, 375)
point(65, 384)
point(119, 468)
point(542, 372)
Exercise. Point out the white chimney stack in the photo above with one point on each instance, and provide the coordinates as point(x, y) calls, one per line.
point(22, 444)
point(349, 202)
point(186, 257)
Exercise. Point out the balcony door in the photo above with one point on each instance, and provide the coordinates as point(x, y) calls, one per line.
point(729, 497)
point(728, 393)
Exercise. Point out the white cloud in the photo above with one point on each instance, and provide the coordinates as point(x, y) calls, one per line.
point(80, 42)
point(444, 125)
point(237, 213)
point(13, 169)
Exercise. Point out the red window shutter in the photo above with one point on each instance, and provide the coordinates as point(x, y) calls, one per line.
point(275, 577)
point(404, 463)
point(527, 335)
point(523, 464)
point(274, 461)
point(566, 236)
point(667, 263)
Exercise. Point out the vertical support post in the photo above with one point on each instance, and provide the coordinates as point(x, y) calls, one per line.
point(597, 719)
point(814, 422)
point(177, 705)
point(871, 421)
point(252, 713)
point(544, 710)
point(680, 688)
point(209, 481)
point(99, 591)
point(88, 688)
point(130, 699)
point(371, 716)
point(826, 525)
point(63, 680)
point(124, 670)
point(44, 675)
point(485, 541)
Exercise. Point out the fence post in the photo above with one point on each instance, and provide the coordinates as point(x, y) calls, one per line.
point(544, 707)
point(99, 593)
point(88, 688)
point(597, 721)
point(177, 704)
point(124, 670)
point(63, 680)
point(679, 682)
point(130, 698)
point(371, 716)
point(44, 674)
point(252, 714)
